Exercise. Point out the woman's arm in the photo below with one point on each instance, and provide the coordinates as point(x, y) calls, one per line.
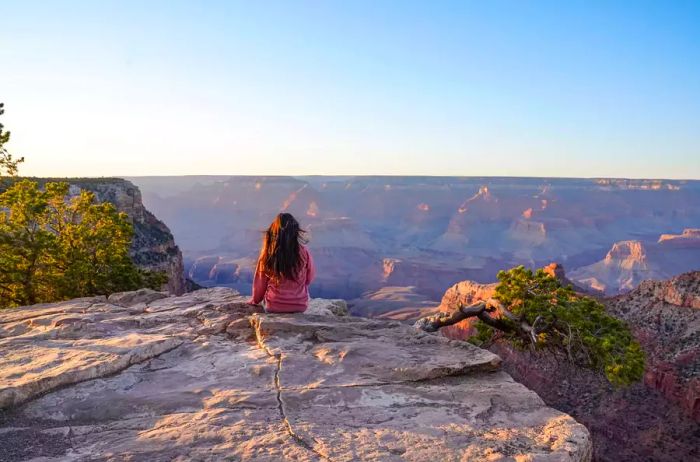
point(260, 281)
point(310, 268)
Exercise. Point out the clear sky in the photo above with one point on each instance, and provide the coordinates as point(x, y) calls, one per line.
point(559, 88)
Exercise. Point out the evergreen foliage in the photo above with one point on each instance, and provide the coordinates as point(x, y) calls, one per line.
point(543, 314)
point(56, 247)
point(8, 164)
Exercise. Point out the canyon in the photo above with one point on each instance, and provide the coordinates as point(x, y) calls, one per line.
point(424, 234)
point(390, 246)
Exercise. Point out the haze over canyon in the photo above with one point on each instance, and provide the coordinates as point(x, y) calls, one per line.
point(387, 243)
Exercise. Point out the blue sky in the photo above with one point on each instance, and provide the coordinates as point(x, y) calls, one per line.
point(363, 87)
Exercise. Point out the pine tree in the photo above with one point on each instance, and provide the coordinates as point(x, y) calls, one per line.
point(27, 248)
point(55, 247)
point(533, 310)
point(8, 165)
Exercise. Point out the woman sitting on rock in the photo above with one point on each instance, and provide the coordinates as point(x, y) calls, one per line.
point(284, 269)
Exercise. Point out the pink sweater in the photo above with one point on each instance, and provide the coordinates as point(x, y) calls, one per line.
point(289, 296)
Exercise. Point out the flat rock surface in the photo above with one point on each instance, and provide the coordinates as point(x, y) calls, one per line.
point(204, 376)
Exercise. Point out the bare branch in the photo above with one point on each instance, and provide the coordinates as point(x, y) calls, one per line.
point(434, 322)
point(480, 309)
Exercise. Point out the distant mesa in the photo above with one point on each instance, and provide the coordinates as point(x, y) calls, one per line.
point(202, 267)
point(478, 200)
point(689, 237)
point(222, 271)
point(312, 210)
point(628, 255)
point(628, 263)
point(643, 185)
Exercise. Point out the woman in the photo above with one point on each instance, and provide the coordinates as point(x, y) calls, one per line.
point(285, 268)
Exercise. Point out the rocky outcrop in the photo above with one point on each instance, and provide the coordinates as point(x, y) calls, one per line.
point(628, 263)
point(529, 231)
point(690, 237)
point(665, 317)
point(464, 293)
point(153, 246)
point(556, 270)
point(145, 377)
point(428, 279)
point(654, 420)
point(624, 266)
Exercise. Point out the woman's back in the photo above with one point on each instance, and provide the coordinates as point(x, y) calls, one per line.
point(285, 268)
point(288, 295)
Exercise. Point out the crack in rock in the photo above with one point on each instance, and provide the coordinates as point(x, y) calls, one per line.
point(256, 325)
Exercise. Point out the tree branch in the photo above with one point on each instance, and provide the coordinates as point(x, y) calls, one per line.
point(481, 310)
point(434, 322)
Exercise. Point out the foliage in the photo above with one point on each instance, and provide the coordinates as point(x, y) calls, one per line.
point(55, 247)
point(544, 315)
point(8, 164)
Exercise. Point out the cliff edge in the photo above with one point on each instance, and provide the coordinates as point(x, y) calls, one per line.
point(143, 376)
point(153, 247)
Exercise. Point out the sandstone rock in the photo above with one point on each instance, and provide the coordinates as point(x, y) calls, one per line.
point(127, 299)
point(324, 307)
point(628, 263)
point(690, 237)
point(206, 376)
point(202, 268)
point(665, 317)
point(464, 293)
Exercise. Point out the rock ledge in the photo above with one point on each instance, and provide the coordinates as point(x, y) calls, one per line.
point(204, 376)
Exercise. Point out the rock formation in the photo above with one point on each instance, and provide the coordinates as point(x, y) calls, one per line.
point(665, 317)
point(464, 293)
point(690, 237)
point(439, 230)
point(655, 420)
point(145, 377)
point(154, 246)
point(624, 266)
point(628, 263)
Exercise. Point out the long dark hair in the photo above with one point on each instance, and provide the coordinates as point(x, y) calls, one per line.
point(280, 256)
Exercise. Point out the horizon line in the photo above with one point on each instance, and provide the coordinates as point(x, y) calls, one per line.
point(389, 175)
